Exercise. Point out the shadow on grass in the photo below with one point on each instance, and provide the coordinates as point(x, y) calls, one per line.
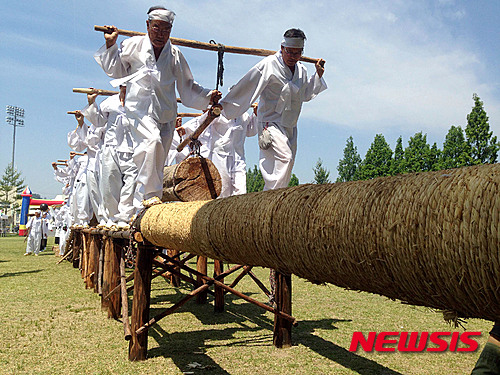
point(186, 348)
point(8, 274)
point(304, 334)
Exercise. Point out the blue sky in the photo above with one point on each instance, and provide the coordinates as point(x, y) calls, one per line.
point(393, 67)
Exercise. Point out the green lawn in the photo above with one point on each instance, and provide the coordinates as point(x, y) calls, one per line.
point(52, 325)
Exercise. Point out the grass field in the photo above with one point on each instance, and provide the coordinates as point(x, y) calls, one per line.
point(52, 325)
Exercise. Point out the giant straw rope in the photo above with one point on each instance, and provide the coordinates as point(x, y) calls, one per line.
point(428, 239)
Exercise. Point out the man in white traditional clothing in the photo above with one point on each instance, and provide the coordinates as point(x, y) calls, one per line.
point(281, 82)
point(117, 164)
point(34, 226)
point(89, 138)
point(219, 143)
point(151, 68)
point(80, 208)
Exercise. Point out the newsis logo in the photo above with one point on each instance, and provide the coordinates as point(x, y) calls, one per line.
point(414, 341)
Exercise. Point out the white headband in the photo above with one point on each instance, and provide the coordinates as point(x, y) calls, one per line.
point(292, 42)
point(162, 15)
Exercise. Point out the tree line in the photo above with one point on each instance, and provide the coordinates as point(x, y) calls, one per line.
point(462, 147)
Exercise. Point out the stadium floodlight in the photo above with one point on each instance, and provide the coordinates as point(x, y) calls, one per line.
point(14, 118)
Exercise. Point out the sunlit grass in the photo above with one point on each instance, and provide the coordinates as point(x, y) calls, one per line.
point(52, 325)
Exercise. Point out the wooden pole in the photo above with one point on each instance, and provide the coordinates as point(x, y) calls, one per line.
point(219, 292)
point(138, 346)
point(95, 91)
point(77, 242)
point(123, 282)
point(83, 90)
point(174, 278)
point(101, 266)
point(95, 260)
point(114, 305)
point(208, 46)
point(65, 256)
point(91, 262)
point(213, 112)
point(282, 333)
point(201, 267)
point(189, 114)
point(105, 273)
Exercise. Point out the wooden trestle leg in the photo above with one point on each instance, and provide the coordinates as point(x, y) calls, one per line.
point(138, 346)
point(219, 292)
point(201, 266)
point(114, 304)
point(282, 334)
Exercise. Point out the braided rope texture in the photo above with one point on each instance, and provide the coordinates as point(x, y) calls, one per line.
point(429, 239)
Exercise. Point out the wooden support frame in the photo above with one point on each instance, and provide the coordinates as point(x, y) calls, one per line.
point(76, 249)
point(282, 333)
point(216, 281)
point(219, 291)
point(138, 345)
point(114, 279)
point(111, 250)
point(201, 267)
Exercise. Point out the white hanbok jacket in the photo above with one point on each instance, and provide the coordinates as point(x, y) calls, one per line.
point(151, 83)
point(281, 92)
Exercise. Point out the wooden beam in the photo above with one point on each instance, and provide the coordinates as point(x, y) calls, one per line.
point(208, 46)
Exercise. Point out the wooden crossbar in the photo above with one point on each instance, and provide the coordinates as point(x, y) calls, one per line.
point(207, 46)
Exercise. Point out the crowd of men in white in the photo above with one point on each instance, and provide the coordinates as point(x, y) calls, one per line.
point(131, 136)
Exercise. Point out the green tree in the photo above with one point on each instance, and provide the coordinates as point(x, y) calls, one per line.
point(255, 181)
point(378, 159)
point(417, 154)
point(11, 184)
point(294, 180)
point(483, 147)
point(455, 150)
point(397, 166)
point(321, 174)
point(349, 165)
point(434, 158)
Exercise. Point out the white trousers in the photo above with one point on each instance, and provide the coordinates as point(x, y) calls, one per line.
point(224, 164)
point(33, 243)
point(62, 241)
point(150, 156)
point(240, 178)
point(276, 163)
point(118, 184)
point(81, 201)
point(95, 193)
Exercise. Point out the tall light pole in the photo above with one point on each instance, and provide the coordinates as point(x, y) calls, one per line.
point(14, 117)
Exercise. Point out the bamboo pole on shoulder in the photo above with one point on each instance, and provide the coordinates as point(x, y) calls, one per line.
point(95, 91)
point(207, 46)
point(83, 90)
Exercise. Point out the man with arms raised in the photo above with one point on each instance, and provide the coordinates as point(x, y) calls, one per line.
point(281, 82)
point(151, 67)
